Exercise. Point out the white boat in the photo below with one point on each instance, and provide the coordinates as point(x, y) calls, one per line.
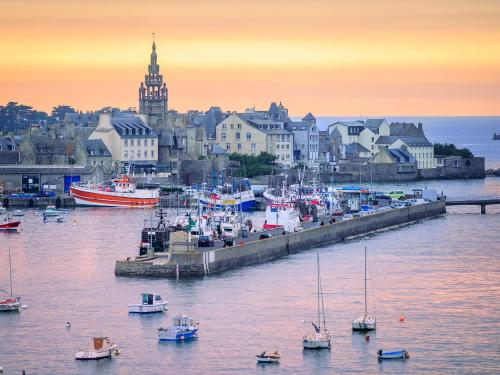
point(150, 303)
point(3, 210)
point(238, 195)
point(182, 328)
point(282, 215)
point(364, 322)
point(53, 218)
point(265, 357)
point(51, 211)
point(11, 303)
point(320, 339)
point(100, 347)
point(395, 354)
point(18, 213)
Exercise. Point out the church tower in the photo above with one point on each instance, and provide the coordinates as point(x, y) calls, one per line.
point(153, 93)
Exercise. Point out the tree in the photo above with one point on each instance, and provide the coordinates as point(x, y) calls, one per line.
point(60, 111)
point(252, 166)
point(14, 116)
point(449, 149)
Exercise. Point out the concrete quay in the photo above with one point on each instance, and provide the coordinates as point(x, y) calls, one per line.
point(185, 259)
point(67, 202)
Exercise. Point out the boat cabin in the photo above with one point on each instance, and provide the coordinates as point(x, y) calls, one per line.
point(182, 321)
point(150, 298)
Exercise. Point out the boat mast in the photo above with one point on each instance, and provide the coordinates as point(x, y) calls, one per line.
point(366, 309)
point(319, 312)
point(10, 272)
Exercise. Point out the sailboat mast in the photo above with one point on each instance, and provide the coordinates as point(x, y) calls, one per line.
point(10, 272)
point(319, 311)
point(366, 309)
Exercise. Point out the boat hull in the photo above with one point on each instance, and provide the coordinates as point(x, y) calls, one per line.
point(398, 354)
point(147, 309)
point(172, 335)
point(8, 307)
point(10, 226)
point(89, 197)
point(316, 344)
point(267, 360)
point(90, 355)
point(364, 324)
point(244, 206)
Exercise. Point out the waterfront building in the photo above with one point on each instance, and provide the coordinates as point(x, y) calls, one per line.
point(251, 137)
point(9, 151)
point(306, 140)
point(97, 154)
point(128, 138)
point(153, 93)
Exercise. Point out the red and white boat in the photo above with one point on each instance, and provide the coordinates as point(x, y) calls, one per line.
point(282, 215)
point(9, 224)
point(120, 192)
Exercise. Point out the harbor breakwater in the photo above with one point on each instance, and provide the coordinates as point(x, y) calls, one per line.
point(187, 260)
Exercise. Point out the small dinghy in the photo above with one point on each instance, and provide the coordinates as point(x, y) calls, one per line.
point(265, 357)
point(150, 303)
point(18, 213)
point(100, 347)
point(51, 211)
point(395, 354)
point(182, 328)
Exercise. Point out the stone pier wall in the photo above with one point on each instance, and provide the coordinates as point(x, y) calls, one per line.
point(209, 262)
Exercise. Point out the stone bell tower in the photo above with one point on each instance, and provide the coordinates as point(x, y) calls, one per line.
point(153, 93)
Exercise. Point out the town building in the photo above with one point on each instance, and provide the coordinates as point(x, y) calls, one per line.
point(9, 151)
point(128, 139)
point(153, 94)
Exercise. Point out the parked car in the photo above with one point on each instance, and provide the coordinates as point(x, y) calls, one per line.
point(384, 208)
point(397, 194)
point(205, 241)
point(397, 205)
point(415, 202)
point(264, 236)
point(407, 203)
point(347, 217)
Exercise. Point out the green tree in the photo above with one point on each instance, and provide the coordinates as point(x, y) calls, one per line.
point(252, 166)
point(60, 111)
point(449, 149)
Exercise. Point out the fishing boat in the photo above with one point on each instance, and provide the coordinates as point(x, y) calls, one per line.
point(265, 357)
point(150, 303)
point(100, 347)
point(9, 224)
point(120, 192)
point(364, 322)
point(238, 196)
point(282, 215)
point(320, 339)
point(11, 303)
point(182, 328)
point(395, 354)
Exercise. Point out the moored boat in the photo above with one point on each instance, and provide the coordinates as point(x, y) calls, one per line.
point(100, 347)
point(394, 354)
point(320, 339)
point(11, 303)
point(364, 322)
point(120, 192)
point(9, 224)
point(18, 213)
point(265, 357)
point(51, 211)
point(282, 215)
point(183, 328)
point(150, 303)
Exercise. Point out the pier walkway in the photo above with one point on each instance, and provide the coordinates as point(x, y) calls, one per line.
point(482, 201)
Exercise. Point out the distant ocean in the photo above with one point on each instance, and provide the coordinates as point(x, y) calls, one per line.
point(474, 133)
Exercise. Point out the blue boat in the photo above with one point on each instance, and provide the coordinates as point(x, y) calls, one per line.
point(182, 329)
point(395, 354)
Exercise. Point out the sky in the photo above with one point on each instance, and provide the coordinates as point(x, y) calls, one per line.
point(329, 57)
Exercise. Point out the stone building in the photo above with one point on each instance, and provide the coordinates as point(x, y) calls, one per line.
point(9, 151)
point(153, 94)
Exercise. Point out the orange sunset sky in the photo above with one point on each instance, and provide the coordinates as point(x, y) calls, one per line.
point(384, 57)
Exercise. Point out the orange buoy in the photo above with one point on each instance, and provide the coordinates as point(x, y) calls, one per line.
point(401, 318)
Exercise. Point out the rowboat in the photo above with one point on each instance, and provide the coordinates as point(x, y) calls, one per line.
point(264, 357)
point(395, 354)
point(100, 347)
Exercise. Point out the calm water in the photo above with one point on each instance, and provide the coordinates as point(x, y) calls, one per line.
point(443, 275)
point(474, 133)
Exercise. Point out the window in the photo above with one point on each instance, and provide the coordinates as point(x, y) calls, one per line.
point(249, 136)
point(125, 142)
point(288, 146)
point(232, 126)
point(223, 136)
point(145, 154)
point(136, 131)
point(102, 162)
point(152, 154)
point(138, 154)
point(152, 142)
point(239, 146)
point(228, 146)
point(238, 136)
point(224, 126)
point(288, 156)
point(125, 154)
point(131, 142)
point(373, 139)
point(253, 147)
point(239, 126)
point(145, 142)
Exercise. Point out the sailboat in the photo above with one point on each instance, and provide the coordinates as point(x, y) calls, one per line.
point(10, 303)
point(365, 322)
point(320, 339)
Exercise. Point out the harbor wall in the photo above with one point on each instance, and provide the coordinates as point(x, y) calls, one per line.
point(203, 263)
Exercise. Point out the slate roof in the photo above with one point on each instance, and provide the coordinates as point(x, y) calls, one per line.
point(309, 117)
point(96, 147)
point(128, 126)
point(275, 131)
point(401, 155)
point(265, 122)
point(210, 120)
point(44, 144)
point(406, 129)
point(298, 126)
point(217, 150)
point(421, 141)
point(374, 122)
point(354, 149)
point(82, 118)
